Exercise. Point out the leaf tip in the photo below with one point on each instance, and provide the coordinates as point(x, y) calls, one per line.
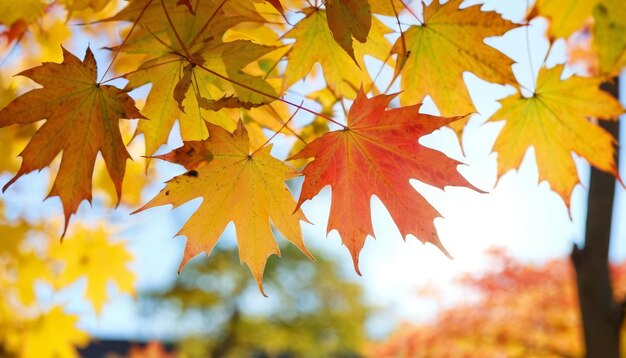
point(355, 261)
point(439, 245)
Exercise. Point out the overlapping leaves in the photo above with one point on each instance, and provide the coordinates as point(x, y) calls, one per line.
point(192, 71)
point(224, 61)
point(236, 185)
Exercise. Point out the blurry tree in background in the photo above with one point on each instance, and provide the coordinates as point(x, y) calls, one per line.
point(320, 315)
point(513, 310)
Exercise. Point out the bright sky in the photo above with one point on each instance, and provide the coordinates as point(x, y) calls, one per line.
point(516, 213)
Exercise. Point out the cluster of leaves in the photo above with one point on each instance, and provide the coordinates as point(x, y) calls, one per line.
point(36, 325)
point(521, 310)
point(222, 68)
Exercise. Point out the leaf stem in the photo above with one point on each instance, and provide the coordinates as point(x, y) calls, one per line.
point(178, 38)
point(192, 60)
point(140, 69)
point(530, 58)
point(279, 120)
point(278, 131)
point(204, 27)
point(119, 48)
point(409, 10)
point(252, 89)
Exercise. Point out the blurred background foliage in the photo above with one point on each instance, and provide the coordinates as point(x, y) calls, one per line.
point(320, 314)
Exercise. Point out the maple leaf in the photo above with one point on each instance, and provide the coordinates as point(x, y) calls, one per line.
point(25, 268)
point(32, 269)
point(555, 122)
point(12, 237)
point(388, 8)
point(275, 3)
point(609, 36)
point(53, 334)
point(192, 71)
point(89, 253)
point(28, 11)
point(15, 31)
point(377, 154)
point(433, 57)
point(348, 18)
point(236, 185)
point(565, 16)
point(78, 5)
point(315, 43)
point(81, 120)
point(194, 98)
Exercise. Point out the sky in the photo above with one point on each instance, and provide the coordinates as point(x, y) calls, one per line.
point(516, 212)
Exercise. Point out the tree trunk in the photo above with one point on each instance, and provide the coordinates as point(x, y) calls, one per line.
point(602, 317)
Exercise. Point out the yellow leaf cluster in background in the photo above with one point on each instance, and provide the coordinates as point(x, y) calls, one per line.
point(89, 254)
point(31, 257)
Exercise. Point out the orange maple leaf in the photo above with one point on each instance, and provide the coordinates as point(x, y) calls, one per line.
point(236, 185)
point(377, 154)
point(81, 120)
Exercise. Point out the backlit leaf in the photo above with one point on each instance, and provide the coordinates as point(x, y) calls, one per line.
point(449, 43)
point(82, 119)
point(236, 185)
point(89, 253)
point(377, 154)
point(555, 122)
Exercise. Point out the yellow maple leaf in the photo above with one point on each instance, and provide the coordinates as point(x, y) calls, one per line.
point(27, 10)
point(89, 253)
point(12, 140)
point(30, 269)
point(555, 122)
point(168, 101)
point(609, 36)
point(78, 5)
point(192, 71)
point(315, 43)
point(12, 236)
point(53, 334)
point(566, 16)
point(81, 120)
point(48, 38)
point(450, 42)
point(388, 7)
point(236, 185)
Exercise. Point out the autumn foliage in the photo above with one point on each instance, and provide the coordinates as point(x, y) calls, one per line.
point(230, 74)
point(517, 310)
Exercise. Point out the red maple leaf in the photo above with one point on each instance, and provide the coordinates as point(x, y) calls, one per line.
point(377, 154)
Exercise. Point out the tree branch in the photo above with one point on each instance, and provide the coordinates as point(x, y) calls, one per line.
point(602, 317)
